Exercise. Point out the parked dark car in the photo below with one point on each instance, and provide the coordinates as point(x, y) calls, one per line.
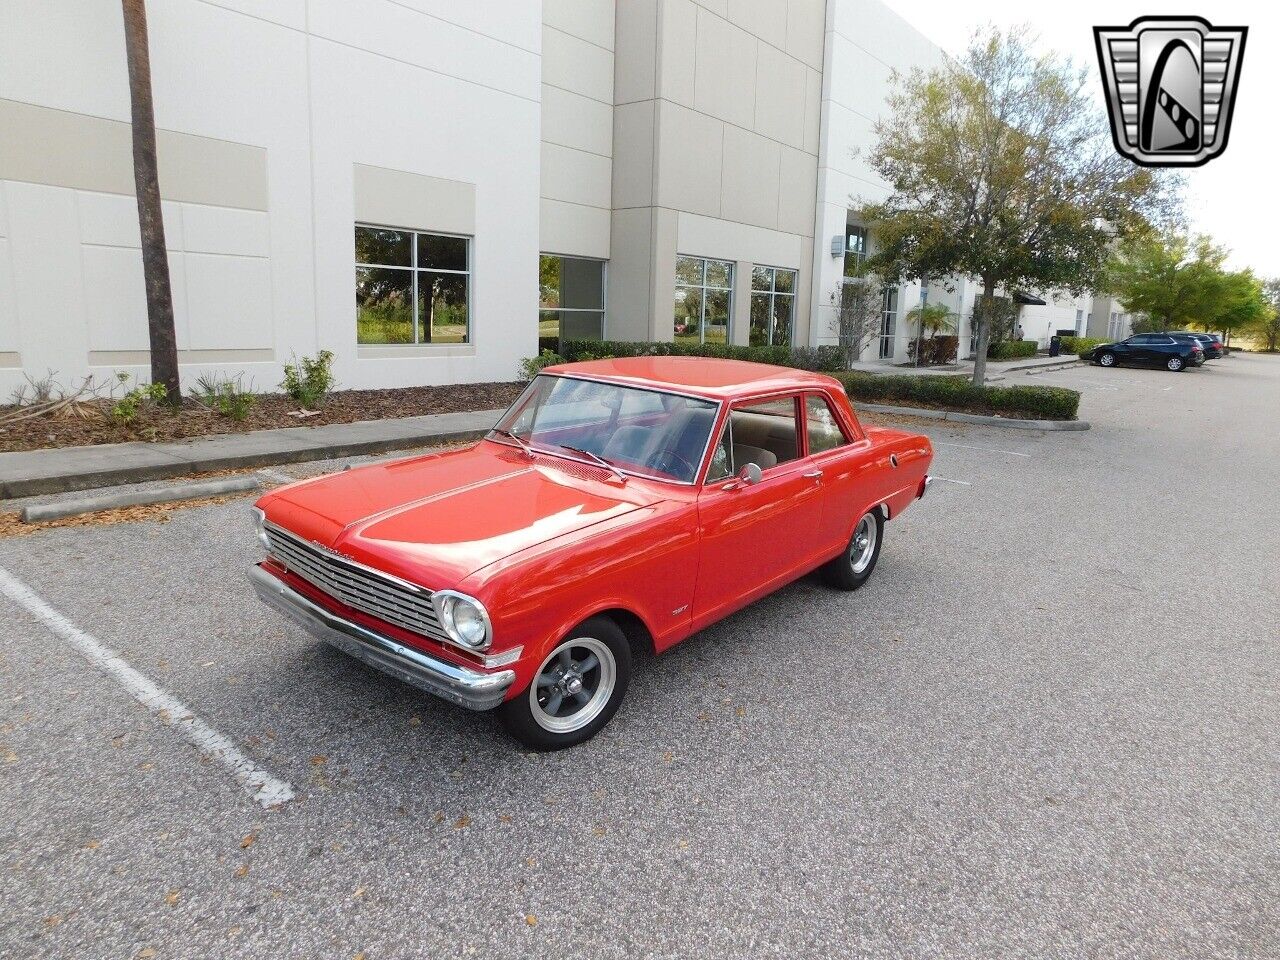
point(1210, 342)
point(1149, 349)
point(1182, 336)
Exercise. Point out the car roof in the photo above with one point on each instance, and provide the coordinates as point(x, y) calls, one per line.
point(702, 376)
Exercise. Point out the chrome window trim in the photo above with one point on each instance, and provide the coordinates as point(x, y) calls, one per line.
point(567, 455)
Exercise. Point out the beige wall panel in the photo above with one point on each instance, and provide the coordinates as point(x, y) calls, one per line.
point(749, 192)
point(633, 54)
point(590, 20)
point(630, 245)
point(812, 110)
point(577, 65)
point(797, 196)
point(728, 240)
point(780, 96)
point(718, 7)
point(573, 230)
point(572, 120)
point(766, 19)
point(689, 160)
point(740, 316)
point(396, 198)
point(63, 149)
point(575, 176)
point(633, 125)
point(725, 71)
point(663, 279)
point(8, 305)
point(806, 30)
point(225, 230)
point(678, 51)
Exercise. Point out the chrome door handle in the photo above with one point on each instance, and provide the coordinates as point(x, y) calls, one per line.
point(812, 474)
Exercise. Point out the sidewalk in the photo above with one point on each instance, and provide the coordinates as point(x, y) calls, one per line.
point(27, 473)
point(996, 369)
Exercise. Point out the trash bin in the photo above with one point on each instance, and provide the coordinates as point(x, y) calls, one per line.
point(1055, 346)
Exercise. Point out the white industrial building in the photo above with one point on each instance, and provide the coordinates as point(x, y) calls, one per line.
point(421, 186)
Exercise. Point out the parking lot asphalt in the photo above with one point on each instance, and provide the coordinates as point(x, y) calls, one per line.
point(1049, 726)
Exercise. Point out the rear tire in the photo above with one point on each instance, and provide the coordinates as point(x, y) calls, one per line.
point(1176, 363)
point(1107, 359)
point(853, 567)
point(576, 690)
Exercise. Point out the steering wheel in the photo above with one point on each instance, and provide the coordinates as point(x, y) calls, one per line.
point(669, 458)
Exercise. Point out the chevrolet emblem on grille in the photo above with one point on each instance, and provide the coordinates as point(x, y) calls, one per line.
point(1171, 86)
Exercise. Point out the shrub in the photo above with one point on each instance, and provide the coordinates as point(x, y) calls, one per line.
point(549, 343)
point(935, 350)
point(127, 408)
point(226, 395)
point(1012, 349)
point(310, 380)
point(1078, 345)
point(530, 367)
point(824, 358)
point(959, 393)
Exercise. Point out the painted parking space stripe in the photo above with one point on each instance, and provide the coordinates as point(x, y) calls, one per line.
point(968, 446)
point(266, 789)
point(963, 483)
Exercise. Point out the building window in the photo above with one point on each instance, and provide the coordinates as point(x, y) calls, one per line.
point(855, 250)
point(704, 298)
point(888, 323)
point(570, 298)
point(773, 304)
point(412, 287)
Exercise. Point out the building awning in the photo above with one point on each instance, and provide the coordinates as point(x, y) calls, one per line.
point(1028, 299)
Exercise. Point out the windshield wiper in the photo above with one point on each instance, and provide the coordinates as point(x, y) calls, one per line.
point(622, 477)
point(519, 443)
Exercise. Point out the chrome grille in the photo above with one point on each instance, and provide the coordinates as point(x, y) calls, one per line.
point(358, 587)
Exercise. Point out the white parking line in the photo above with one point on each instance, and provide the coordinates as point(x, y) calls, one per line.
point(275, 475)
point(264, 788)
point(964, 483)
point(966, 446)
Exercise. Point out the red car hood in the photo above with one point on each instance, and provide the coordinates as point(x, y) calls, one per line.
point(434, 520)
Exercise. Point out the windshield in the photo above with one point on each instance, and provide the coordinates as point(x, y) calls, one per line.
point(647, 432)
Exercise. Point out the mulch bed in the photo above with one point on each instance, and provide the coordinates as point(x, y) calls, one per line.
point(92, 423)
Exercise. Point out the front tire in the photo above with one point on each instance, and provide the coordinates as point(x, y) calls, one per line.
point(1176, 363)
point(853, 567)
point(1107, 359)
point(576, 690)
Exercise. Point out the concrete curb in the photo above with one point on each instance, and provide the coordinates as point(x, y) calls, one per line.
point(136, 498)
point(68, 469)
point(1051, 425)
point(1031, 370)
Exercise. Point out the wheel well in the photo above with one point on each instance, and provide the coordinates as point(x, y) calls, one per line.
point(883, 510)
point(632, 627)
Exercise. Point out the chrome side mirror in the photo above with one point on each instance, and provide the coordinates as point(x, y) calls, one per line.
point(749, 474)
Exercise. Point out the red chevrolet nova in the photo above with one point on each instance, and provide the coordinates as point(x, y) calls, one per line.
point(618, 502)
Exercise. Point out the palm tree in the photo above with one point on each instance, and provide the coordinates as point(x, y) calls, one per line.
point(933, 317)
point(146, 180)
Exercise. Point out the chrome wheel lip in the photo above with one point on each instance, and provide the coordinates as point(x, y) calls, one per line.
point(600, 695)
point(862, 547)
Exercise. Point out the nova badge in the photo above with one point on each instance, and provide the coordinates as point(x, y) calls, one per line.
point(1170, 85)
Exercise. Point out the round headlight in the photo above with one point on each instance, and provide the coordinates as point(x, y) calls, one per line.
point(465, 620)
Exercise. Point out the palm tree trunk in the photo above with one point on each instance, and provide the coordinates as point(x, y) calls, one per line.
point(984, 332)
point(146, 180)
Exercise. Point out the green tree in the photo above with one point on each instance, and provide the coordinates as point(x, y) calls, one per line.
point(999, 166)
point(1241, 305)
point(933, 318)
point(1169, 281)
point(1267, 329)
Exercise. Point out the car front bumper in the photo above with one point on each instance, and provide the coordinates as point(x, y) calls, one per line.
point(473, 689)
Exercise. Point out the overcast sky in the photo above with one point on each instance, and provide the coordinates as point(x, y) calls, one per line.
point(1236, 196)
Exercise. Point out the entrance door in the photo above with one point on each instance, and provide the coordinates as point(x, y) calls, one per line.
point(888, 324)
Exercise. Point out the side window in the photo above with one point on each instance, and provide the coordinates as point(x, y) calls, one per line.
point(762, 433)
point(821, 426)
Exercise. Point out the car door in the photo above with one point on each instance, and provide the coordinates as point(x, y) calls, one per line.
point(845, 458)
point(754, 537)
point(1138, 349)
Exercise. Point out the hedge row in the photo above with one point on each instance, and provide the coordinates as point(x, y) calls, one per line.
point(1078, 345)
point(826, 358)
point(959, 393)
point(1012, 349)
